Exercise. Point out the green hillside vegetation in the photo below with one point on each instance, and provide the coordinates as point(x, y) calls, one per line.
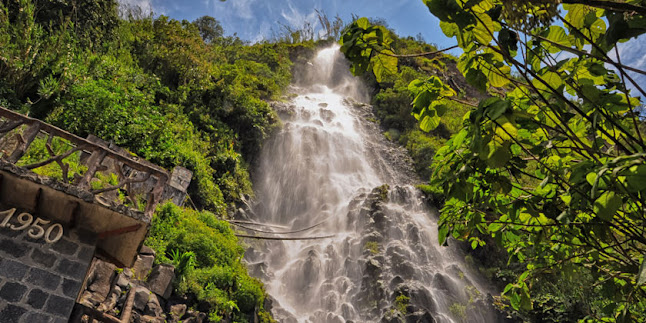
point(173, 92)
point(543, 174)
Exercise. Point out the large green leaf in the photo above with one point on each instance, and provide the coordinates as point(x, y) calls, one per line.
point(606, 205)
point(641, 275)
point(557, 35)
point(384, 65)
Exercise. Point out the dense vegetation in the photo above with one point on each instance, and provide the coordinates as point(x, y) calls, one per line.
point(549, 163)
point(207, 258)
point(173, 92)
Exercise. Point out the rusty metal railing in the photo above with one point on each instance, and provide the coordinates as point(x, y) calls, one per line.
point(18, 132)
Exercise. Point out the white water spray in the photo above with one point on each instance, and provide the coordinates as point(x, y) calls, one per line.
point(324, 169)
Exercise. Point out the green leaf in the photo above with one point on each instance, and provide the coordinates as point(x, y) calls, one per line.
point(484, 30)
point(363, 23)
point(499, 76)
point(495, 227)
point(557, 35)
point(449, 29)
point(636, 178)
point(552, 79)
point(429, 120)
point(384, 65)
point(607, 205)
point(442, 233)
point(641, 275)
point(494, 107)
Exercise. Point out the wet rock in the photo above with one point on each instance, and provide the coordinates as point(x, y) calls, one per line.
point(160, 280)
point(404, 268)
point(396, 281)
point(420, 317)
point(448, 287)
point(326, 114)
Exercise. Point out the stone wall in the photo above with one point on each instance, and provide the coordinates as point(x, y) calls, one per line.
point(40, 281)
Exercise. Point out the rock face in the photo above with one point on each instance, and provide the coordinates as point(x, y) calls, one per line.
point(138, 294)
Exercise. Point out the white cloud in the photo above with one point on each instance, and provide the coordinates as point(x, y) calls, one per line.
point(242, 8)
point(145, 5)
point(296, 18)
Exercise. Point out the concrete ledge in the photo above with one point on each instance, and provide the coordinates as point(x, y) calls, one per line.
point(120, 230)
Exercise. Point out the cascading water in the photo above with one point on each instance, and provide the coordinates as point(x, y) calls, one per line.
point(326, 171)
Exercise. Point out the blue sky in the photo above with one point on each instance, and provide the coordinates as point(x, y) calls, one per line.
point(255, 20)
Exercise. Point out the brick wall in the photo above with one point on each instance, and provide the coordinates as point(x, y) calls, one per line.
point(39, 281)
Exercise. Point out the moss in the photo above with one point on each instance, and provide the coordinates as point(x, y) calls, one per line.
point(401, 303)
point(372, 246)
point(458, 311)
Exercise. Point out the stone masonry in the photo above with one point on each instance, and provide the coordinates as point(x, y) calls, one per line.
point(40, 281)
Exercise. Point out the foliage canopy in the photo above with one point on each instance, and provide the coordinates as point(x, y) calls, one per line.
point(552, 163)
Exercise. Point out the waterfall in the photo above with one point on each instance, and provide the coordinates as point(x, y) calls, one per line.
point(331, 169)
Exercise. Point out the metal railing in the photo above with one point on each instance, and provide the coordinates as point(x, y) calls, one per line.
point(18, 132)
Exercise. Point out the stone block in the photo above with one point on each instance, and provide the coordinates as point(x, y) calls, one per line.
point(37, 298)
point(176, 312)
point(60, 306)
point(100, 279)
point(71, 288)
point(44, 259)
point(153, 307)
point(111, 301)
point(142, 296)
point(71, 268)
point(14, 249)
point(12, 313)
point(36, 317)
point(12, 292)
point(145, 250)
point(86, 254)
point(44, 279)
point(160, 280)
point(66, 247)
point(180, 178)
point(143, 265)
point(12, 270)
point(122, 280)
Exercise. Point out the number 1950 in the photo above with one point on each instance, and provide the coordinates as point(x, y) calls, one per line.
point(38, 228)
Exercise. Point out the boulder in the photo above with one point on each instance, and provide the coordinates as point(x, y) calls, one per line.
point(153, 308)
point(146, 251)
point(122, 281)
point(176, 312)
point(143, 265)
point(142, 297)
point(100, 279)
point(111, 301)
point(160, 280)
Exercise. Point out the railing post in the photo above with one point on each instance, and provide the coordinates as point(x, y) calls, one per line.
point(29, 136)
point(92, 165)
point(155, 196)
